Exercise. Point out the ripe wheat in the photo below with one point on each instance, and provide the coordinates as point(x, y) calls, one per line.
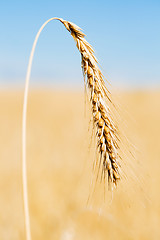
point(106, 130)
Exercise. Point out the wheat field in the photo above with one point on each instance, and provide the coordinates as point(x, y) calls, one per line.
point(59, 166)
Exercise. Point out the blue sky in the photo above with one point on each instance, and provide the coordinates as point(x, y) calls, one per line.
point(124, 34)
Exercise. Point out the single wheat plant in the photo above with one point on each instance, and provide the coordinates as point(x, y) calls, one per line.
point(105, 128)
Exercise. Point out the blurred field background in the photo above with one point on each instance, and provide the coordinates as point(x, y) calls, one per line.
point(126, 38)
point(59, 169)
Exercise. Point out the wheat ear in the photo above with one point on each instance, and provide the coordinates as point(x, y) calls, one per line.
point(106, 131)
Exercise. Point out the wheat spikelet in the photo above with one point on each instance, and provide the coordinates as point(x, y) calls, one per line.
point(106, 131)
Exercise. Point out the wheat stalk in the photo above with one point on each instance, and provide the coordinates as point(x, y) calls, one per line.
point(106, 131)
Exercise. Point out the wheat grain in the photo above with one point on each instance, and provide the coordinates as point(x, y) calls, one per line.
point(106, 130)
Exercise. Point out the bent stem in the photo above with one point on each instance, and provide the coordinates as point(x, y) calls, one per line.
point(106, 129)
point(24, 169)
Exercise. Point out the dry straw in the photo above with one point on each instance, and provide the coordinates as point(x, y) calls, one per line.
point(105, 128)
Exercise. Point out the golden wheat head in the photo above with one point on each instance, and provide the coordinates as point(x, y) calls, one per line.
point(106, 131)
